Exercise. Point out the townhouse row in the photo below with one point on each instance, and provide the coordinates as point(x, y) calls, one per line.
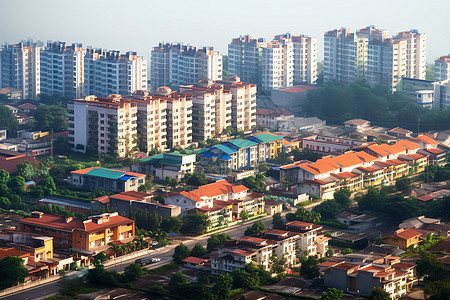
point(366, 165)
point(269, 247)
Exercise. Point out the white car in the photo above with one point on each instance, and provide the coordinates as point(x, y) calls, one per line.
point(155, 259)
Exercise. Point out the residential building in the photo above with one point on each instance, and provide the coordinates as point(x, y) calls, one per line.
point(299, 124)
point(277, 65)
point(104, 125)
point(291, 98)
point(403, 238)
point(409, 86)
point(221, 201)
point(178, 64)
point(442, 68)
point(330, 145)
point(62, 69)
point(111, 72)
point(11, 93)
point(211, 109)
point(179, 117)
point(3, 134)
point(20, 68)
point(88, 236)
point(441, 93)
point(151, 121)
point(424, 98)
point(244, 58)
point(127, 202)
point(243, 103)
point(107, 179)
point(172, 164)
point(416, 55)
point(390, 274)
point(305, 57)
point(9, 160)
point(267, 118)
point(310, 241)
point(358, 125)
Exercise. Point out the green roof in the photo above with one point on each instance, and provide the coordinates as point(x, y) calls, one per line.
point(240, 143)
point(266, 137)
point(153, 157)
point(170, 162)
point(225, 148)
point(106, 173)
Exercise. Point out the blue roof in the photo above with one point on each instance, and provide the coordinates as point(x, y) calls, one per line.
point(126, 177)
point(225, 149)
point(206, 154)
point(225, 157)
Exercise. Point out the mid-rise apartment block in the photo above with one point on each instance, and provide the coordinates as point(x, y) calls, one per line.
point(441, 94)
point(91, 235)
point(112, 72)
point(442, 68)
point(178, 64)
point(20, 68)
point(368, 54)
point(62, 70)
point(288, 59)
point(105, 125)
point(305, 57)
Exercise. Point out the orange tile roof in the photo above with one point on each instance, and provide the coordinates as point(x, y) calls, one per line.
point(416, 156)
point(83, 171)
point(426, 139)
point(435, 151)
point(365, 157)
point(191, 196)
point(194, 260)
point(406, 234)
point(5, 252)
point(408, 144)
point(217, 188)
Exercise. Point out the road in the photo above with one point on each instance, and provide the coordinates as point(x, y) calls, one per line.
point(164, 253)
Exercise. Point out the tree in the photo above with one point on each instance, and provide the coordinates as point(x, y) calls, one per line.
point(223, 286)
point(342, 197)
point(172, 183)
point(255, 183)
point(116, 249)
point(305, 154)
point(429, 265)
point(198, 178)
point(4, 177)
point(347, 251)
point(50, 118)
point(8, 120)
point(100, 258)
point(379, 294)
point(176, 281)
point(196, 223)
point(328, 209)
point(12, 272)
point(17, 184)
point(198, 250)
point(216, 239)
point(26, 170)
point(244, 215)
point(262, 167)
point(180, 252)
point(438, 290)
point(255, 228)
point(277, 221)
point(48, 185)
point(133, 272)
point(332, 294)
point(309, 268)
point(5, 203)
point(171, 224)
point(60, 145)
point(402, 184)
point(304, 215)
point(160, 199)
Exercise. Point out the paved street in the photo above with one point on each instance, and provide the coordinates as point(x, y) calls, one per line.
point(164, 253)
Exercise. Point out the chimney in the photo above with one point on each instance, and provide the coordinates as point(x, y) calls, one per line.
point(37, 214)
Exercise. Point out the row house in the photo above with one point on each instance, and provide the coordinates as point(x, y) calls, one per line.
point(393, 276)
point(221, 201)
point(310, 241)
point(373, 164)
point(88, 236)
point(238, 154)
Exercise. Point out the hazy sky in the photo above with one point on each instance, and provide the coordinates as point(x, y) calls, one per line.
point(140, 25)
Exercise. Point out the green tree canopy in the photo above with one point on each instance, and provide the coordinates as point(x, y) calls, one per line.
point(328, 209)
point(256, 227)
point(223, 286)
point(379, 294)
point(255, 183)
point(198, 178)
point(196, 223)
point(342, 197)
point(277, 220)
point(17, 184)
point(4, 177)
point(26, 170)
point(332, 294)
point(12, 272)
point(198, 250)
point(180, 252)
point(217, 239)
point(171, 224)
point(309, 268)
point(8, 120)
point(177, 281)
point(50, 118)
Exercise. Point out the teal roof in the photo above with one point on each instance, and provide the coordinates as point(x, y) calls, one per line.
point(265, 137)
point(170, 162)
point(106, 173)
point(225, 149)
point(240, 143)
point(153, 157)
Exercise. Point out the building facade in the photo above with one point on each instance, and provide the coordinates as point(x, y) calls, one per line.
point(20, 68)
point(105, 125)
point(442, 68)
point(178, 64)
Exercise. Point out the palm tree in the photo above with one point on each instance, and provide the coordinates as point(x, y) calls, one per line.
point(115, 248)
point(139, 242)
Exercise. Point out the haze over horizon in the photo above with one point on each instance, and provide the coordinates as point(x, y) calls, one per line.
point(140, 25)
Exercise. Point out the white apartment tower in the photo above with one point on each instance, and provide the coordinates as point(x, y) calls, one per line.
point(177, 64)
point(20, 68)
point(416, 56)
point(211, 109)
point(441, 95)
point(442, 68)
point(62, 70)
point(244, 58)
point(179, 117)
point(110, 72)
point(386, 62)
point(277, 65)
point(104, 125)
point(151, 121)
point(305, 57)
